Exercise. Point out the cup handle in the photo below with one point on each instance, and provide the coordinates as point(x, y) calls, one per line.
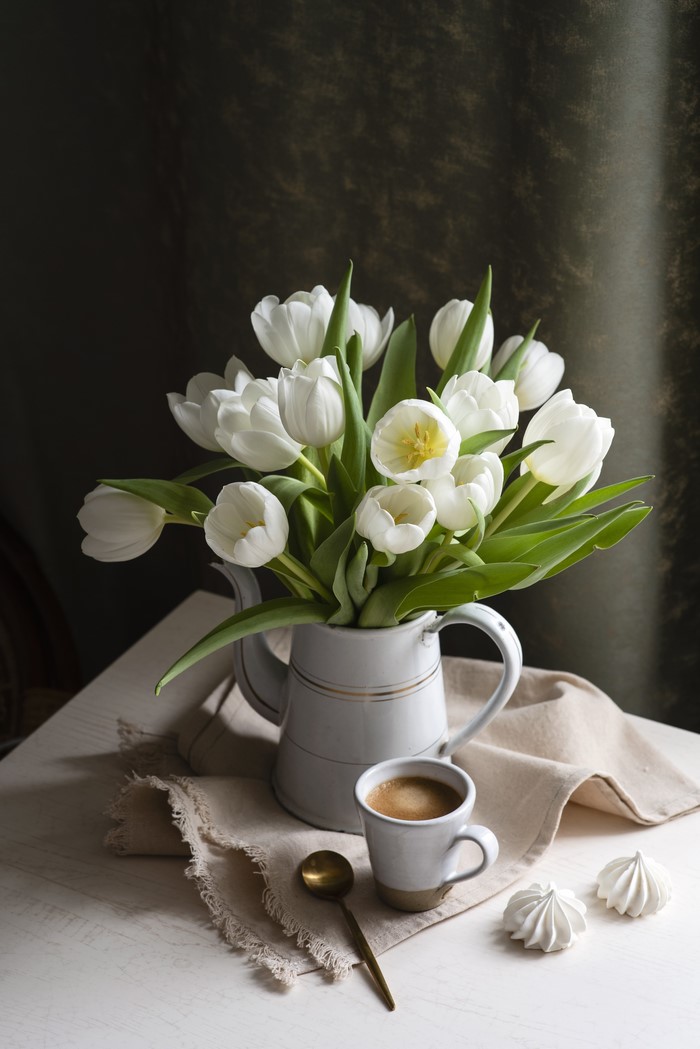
point(502, 633)
point(487, 842)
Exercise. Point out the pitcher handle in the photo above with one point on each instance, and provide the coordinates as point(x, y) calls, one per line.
point(502, 633)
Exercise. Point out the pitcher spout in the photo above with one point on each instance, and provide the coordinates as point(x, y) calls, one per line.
point(260, 674)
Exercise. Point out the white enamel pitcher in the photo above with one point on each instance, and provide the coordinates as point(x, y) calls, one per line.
point(350, 698)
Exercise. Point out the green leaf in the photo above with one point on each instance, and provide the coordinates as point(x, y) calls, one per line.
point(459, 552)
point(292, 582)
point(308, 526)
point(355, 437)
point(354, 358)
point(342, 491)
point(178, 499)
point(559, 548)
point(479, 441)
point(381, 559)
point(603, 495)
point(513, 459)
point(411, 562)
point(355, 576)
point(336, 332)
point(206, 469)
point(546, 511)
point(476, 534)
point(464, 355)
point(397, 380)
point(345, 613)
point(610, 535)
point(324, 561)
point(511, 369)
point(472, 584)
point(556, 524)
point(436, 400)
point(289, 489)
point(516, 544)
point(282, 611)
point(393, 601)
point(530, 501)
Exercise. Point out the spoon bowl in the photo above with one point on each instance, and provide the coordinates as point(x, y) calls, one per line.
point(327, 874)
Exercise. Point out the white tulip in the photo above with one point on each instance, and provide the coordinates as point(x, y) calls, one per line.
point(119, 526)
point(540, 373)
point(312, 408)
point(196, 411)
point(414, 441)
point(295, 329)
point(446, 328)
point(248, 525)
point(395, 518)
point(476, 479)
point(581, 440)
point(476, 404)
point(374, 332)
point(250, 429)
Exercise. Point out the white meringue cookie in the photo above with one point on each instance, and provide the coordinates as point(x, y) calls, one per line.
point(544, 917)
point(635, 885)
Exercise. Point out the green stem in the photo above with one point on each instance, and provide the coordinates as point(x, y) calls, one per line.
point(308, 465)
point(509, 507)
point(432, 559)
point(325, 459)
point(296, 568)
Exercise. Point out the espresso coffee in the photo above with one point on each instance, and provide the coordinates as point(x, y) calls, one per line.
point(413, 798)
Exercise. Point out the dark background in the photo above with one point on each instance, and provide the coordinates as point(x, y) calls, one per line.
point(166, 164)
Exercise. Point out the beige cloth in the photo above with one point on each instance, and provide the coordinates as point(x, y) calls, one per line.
point(559, 739)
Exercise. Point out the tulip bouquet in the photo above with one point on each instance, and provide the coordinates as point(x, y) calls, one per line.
point(371, 514)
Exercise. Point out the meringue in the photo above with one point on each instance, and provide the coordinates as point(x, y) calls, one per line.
point(544, 917)
point(635, 885)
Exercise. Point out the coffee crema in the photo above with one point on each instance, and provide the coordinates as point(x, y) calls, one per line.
point(413, 798)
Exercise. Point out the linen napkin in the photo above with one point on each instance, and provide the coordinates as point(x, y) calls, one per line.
point(204, 792)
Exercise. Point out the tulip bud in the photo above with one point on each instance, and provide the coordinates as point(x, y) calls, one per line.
point(119, 526)
point(446, 328)
point(475, 479)
point(248, 525)
point(293, 330)
point(373, 332)
point(395, 518)
point(540, 372)
point(476, 404)
point(581, 440)
point(311, 402)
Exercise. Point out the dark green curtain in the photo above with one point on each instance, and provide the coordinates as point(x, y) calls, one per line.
point(169, 163)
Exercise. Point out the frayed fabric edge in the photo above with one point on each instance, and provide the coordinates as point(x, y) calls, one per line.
point(327, 957)
point(229, 924)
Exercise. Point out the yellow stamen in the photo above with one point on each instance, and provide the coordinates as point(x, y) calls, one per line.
point(422, 446)
point(252, 524)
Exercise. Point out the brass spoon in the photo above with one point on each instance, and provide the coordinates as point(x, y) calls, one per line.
point(329, 875)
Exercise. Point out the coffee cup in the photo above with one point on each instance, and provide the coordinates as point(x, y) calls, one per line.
point(415, 815)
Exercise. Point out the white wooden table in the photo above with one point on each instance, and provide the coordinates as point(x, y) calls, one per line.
point(98, 951)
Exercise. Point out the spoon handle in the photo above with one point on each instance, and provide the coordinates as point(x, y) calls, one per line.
point(367, 953)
